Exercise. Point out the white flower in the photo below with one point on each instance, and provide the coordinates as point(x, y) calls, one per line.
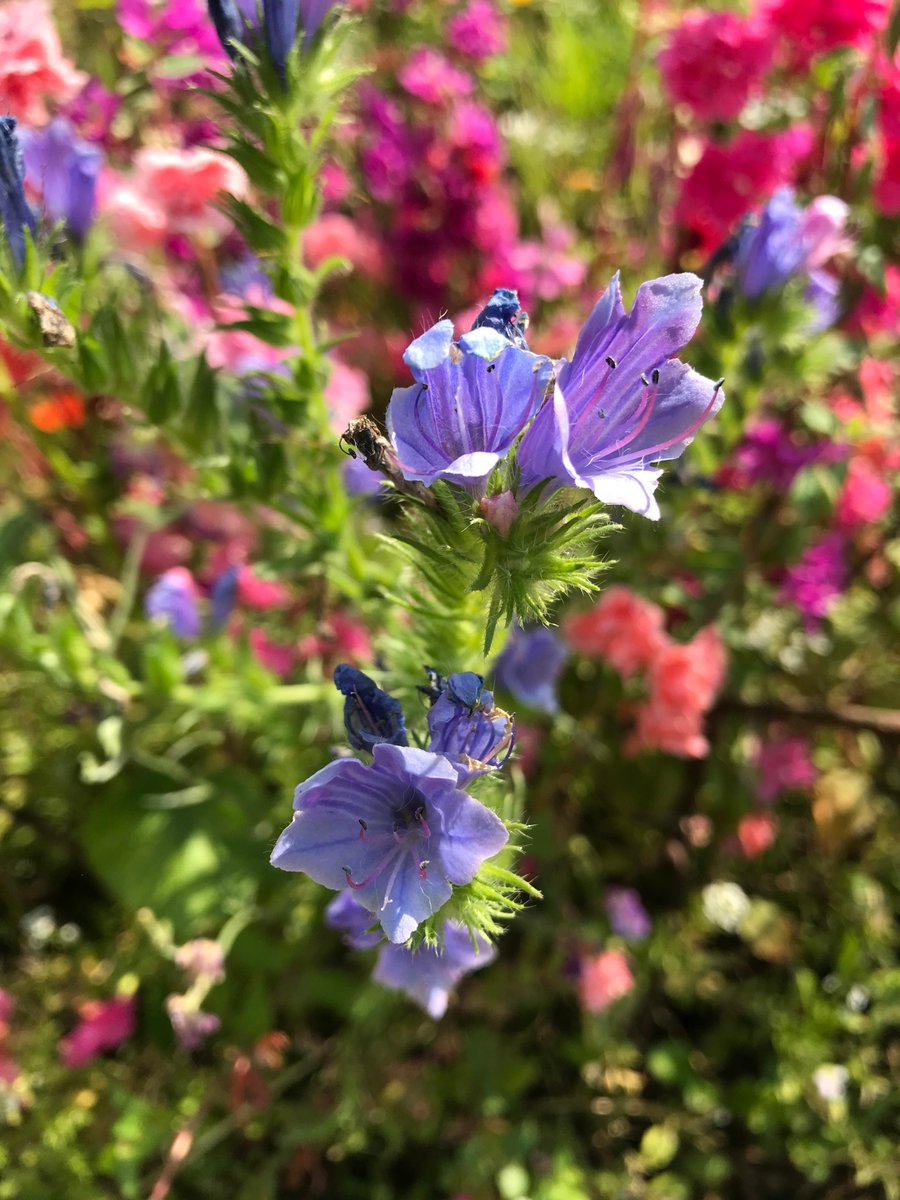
point(831, 1081)
point(725, 904)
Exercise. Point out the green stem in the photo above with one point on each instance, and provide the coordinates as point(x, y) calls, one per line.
point(131, 570)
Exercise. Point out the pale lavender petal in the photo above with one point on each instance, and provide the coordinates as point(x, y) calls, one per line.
point(470, 833)
point(428, 974)
point(429, 350)
point(631, 489)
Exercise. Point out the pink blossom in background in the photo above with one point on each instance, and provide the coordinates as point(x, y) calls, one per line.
point(823, 230)
point(769, 453)
point(603, 979)
point(351, 640)
point(432, 78)
point(734, 177)
point(274, 656)
point(7, 1006)
point(783, 764)
point(879, 313)
point(9, 1068)
point(689, 676)
point(677, 731)
point(261, 594)
point(347, 394)
point(865, 497)
point(756, 832)
point(33, 69)
point(170, 193)
point(174, 27)
point(334, 235)
point(820, 577)
point(237, 350)
point(809, 28)
point(545, 267)
point(878, 379)
point(622, 628)
point(714, 61)
point(104, 1025)
point(192, 1026)
point(202, 957)
point(478, 31)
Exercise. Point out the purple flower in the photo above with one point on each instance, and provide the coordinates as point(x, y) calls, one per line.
point(15, 215)
point(769, 453)
point(427, 975)
point(223, 596)
point(399, 833)
point(65, 169)
point(347, 914)
point(627, 915)
point(192, 1025)
point(772, 250)
point(823, 295)
point(470, 401)
point(529, 666)
point(371, 716)
point(173, 599)
point(623, 402)
point(467, 727)
point(477, 31)
point(815, 582)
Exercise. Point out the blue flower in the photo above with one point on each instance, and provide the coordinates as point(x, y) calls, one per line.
point(65, 169)
point(623, 402)
point(470, 401)
point(223, 596)
point(467, 727)
point(173, 599)
point(772, 250)
point(229, 22)
point(400, 833)
point(355, 922)
point(428, 974)
point(627, 915)
point(504, 314)
point(529, 666)
point(371, 716)
point(823, 295)
point(15, 215)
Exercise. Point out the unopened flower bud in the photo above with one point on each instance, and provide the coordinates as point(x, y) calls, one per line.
point(500, 511)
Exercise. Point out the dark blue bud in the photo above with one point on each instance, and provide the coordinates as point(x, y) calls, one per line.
point(467, 689)
point(229, 24)
point(468, 728)
point(371, 716)
point(280, 21)
point(503, 314)
point(15, 215)
point(224, 596)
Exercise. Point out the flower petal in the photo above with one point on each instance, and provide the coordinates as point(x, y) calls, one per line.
point(429, 350)
point(470, 833)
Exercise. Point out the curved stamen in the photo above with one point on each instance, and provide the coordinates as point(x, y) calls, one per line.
point(689, 432)
point(373, 875)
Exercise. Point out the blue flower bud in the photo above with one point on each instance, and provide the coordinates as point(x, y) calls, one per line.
point(65, 168)
point(504, 314)
point(371, 716)
point(15, 215)
point(223, 596)
point(280, 20)
point(229, 24)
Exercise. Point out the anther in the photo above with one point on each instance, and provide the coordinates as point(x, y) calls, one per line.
point(611, 362)
point(363, 828)
point(644, 380)
point(655, 375)
point(423, 871)
point(719, 383)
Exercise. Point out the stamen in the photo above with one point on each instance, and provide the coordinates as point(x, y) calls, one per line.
point(420, 817)
point(644, 380)
point(363, 827)
point(423, 865)
point(655, 375)
point(689, 432)
point(392, 853)
point(611, 362)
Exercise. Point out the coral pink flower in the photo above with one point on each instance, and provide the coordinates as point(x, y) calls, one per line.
point(783, 764)
point(674, 730)
point(104, 1025)
point(352, 642)
point(865, 497)
point(260, 593)
point(756, 833)
point(713, 63)
point(236, 349)
point(878, 380)
point(33, 68)
point(604, 978)
point(622, 628)
point(334, 235)
point(877, 313)
point(170, 194)
point(689, 676)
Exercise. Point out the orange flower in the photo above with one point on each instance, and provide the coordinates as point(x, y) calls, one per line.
point(65, 410)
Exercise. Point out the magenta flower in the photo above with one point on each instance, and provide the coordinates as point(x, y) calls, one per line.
point(104, 1025)
point(477, 31)
point(814, 583)
point(623, 403)
point(400, 833)
point(783, 765)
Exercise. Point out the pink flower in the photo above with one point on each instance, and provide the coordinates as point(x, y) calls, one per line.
point(177, 29)
point(814, 583)
point(192, 1025)
point(334, 235)
point(347, 394)
point(33, 68)
point(235, 349)
point(877, 313)
point(622, 628)
point(782, 765)
point(170, 194)
point(714, 62)
point(687, 677)
point(544, 267)
point(104, 1025)
point(478, 31)
point(7, 1006)
point(275, 657)
point(604, 978)
point(430, 77)
point(202, 957)
point(674, 730)
point(865, 497)
point(822, 230)
point(350, 638)
point(810, 28)
point(258, 593)
point(878, 380)
point(756, 833)
point(734, 177)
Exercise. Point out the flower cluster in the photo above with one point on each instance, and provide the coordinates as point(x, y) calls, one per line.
point(599, 421)
point(398, 835)
point(682, 680)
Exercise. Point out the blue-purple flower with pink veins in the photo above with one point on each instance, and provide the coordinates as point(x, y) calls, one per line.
point(623, 403)
point(470, 401)
point(399, 833)
point(428, 974)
